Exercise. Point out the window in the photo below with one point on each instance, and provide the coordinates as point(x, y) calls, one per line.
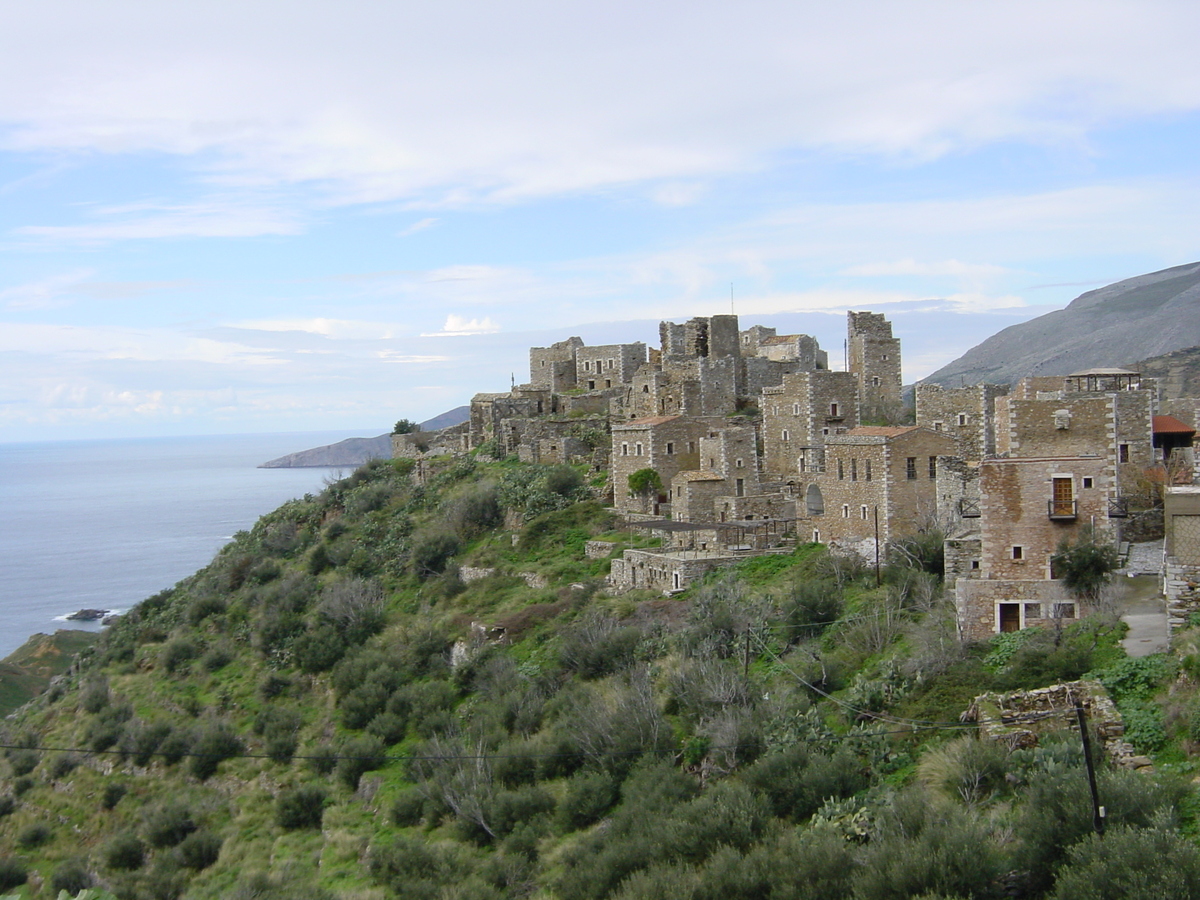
point(1064, 611)
point(833, 410)
point(1018, 552)
point(1087, 481)
point(784, 436)
point(670, 448)
point(937, 426)
point(974, 564)
point(801, 463)
point(638, 450)
point(841, 470)
point(738, 463)
point(911, 468)
point(962, 418)
point(845, 510)
point(1123, 453)
point(867, 470)
point(608, 382)
point(863, 511)
point(691, 446)
point(587, 365)
point(1063, 497)
point(933, 467)
point(624, 449)
point(816, 536)
point(1033, 611)
point(739, 487)
point(795, 409)
point(874, 381)
point(854, 470)
point(591, 384)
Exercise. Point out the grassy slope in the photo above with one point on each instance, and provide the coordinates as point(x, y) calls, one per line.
point(328, 630)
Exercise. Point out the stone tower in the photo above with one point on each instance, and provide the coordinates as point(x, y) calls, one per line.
point(874, 359)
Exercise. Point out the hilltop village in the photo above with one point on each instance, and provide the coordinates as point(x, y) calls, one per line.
point(724, 443)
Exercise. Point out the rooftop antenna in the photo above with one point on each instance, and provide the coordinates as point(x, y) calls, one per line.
point(731, 311)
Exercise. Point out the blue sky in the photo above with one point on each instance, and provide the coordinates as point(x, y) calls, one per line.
point(268, 216)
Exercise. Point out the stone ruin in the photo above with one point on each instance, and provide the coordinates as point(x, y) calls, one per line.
point(1019, 719)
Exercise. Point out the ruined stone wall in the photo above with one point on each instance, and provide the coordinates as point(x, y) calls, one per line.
point(703, 337)
point(752, 337)
point(607, 365)
point(693, 495)
point(874, 358)
point(962, 558)
point(978, 605)
point(966, 413)
point(666, 572)
point(1018, 533)
point(553, 368)
point(958, 497)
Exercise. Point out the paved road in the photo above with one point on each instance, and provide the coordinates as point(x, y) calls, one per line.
point(1144, 610)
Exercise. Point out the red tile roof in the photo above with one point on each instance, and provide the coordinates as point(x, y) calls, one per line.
point(1171, 425)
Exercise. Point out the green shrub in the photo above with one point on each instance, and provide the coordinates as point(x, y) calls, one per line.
point(8, 805)
point(303, 807)
point(319, 649)
point(1131, 864)
point(322, 759)
point(22, 761)
point(112, 794)
point(63, 765)
point(141, 740)
point(125, 851)
point(358, 756)
point(432, 552)
point(408, 808)
point(796, 783)
point(199, 850)
point(175, 746)
point(71, 876)
point(215, 743)
point(94, 696)
point(34, 835)
point(218, 657)
point(167, 825)
point(274, 685)
point(177, 653)
point(12, 873)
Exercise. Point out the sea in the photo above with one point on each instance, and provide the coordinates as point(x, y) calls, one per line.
point(104, 524)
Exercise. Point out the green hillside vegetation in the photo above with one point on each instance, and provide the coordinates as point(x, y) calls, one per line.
point(328, 711)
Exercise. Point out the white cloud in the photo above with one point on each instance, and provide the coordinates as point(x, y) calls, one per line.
point(417, 226)
point(460, 326)
point(337, 329)
point(113, 343)
point(450, 104)
point(214, 218)
point(951, 267)
point(45, 293)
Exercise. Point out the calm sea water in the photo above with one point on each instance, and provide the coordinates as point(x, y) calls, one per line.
point(104, 524)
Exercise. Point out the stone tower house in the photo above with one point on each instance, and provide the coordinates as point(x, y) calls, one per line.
point(874, 358)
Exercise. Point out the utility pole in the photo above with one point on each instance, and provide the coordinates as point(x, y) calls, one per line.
point(1097, 809)
point(746, 655)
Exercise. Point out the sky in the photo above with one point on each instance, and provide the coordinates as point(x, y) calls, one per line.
point(263, 216)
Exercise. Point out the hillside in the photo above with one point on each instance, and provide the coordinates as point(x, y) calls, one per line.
point(1178, 373)
point(331, 711)
point(356, 451)
point(1117, 325)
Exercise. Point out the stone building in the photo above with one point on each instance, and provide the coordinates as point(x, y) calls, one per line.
point(667, 444)
point(571, 365)
point(889, 469)
point(1028, 507)
point(728, 468)
point(874, 358)
point(553, 368)
point(966, 413)
point(1181, 575)
point(799, 414)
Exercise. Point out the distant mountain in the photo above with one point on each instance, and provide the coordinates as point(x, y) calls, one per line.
point(1119, 325)
point(1178, 373)
point(356, 451)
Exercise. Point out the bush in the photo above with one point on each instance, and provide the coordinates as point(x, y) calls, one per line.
point(34, 836)
point(8, 805)
point(168, 825)
point(12, 873)
point(141, 740)
point(409, 808)
point(63, 765)
point(22, 761)
point(72, 876)
point(303, 807)
point(125, 851)
point(214, 744)
point(199, 850)
point(94, 696)
point(176, 653)
point(323, 759)
point(797, 783)
point(432, 552)
point(112, 794)
point(358, 756)
point(217, 658)
point(1131, 864)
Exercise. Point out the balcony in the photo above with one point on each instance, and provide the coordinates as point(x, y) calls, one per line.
point(968, 508)
point(1118, 508)
point(1063, 510)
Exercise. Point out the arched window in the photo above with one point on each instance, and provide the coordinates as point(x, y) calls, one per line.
point(813, 501)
